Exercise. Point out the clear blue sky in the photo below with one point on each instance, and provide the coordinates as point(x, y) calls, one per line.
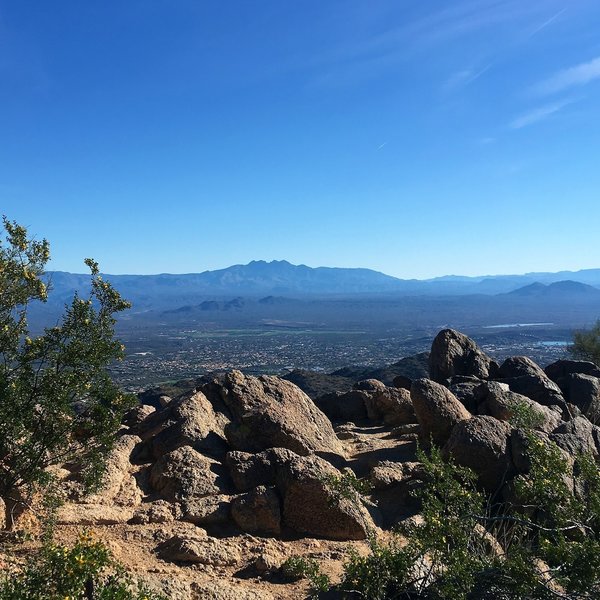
point(416, 138)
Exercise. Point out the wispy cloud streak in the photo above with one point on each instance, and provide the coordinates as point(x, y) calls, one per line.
point(576, 76)
point(546, 23)
point(539, 114)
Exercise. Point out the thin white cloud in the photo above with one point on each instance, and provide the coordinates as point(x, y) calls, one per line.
point(578, 75)
point(546, 23)
point(539, 114)
point(465, 77)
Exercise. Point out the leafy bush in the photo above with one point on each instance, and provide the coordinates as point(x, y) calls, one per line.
point(524, 416)
point(57, 400)
point(85, 570)
point(586, 344)
point(298, 567)
point(347, 486)
point(545, 543)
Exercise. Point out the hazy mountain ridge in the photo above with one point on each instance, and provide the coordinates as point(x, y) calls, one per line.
point(281, 278)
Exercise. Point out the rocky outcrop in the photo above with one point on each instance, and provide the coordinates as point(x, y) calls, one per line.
point(453, 353)
point(437, 410)
point(268, 412)
point(583, 391)
point(310, 506)
point(504, 405)
point(185, 473)
point(391, 405)
point(258, 511)
point(250, 459)
point(517, 366)
point(192, 422)
point(483, 444)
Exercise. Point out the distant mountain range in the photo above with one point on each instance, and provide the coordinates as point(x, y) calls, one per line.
point(279, 295)
point(280, 279)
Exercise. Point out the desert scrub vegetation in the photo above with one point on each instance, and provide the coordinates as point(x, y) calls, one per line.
point(586, 344)
point(542, 542)
point(58, 404)
point(83, 571)
point(57, 400)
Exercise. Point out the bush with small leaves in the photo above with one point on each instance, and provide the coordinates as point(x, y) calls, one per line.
point(298, 567)
point(543, 544)
point(85, 570)
point(57, 400)
point(586, 344)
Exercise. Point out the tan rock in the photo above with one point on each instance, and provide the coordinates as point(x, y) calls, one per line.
point(185, 473)
point(118, 486)
point(311, 507)
point(93, 514)
point(437, 410)
point(268, 412)
point(203, 550)
point(453, 353)
point(258, 511)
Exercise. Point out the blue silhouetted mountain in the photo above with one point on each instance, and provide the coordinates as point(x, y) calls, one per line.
point(275, 283)
point(558, 289)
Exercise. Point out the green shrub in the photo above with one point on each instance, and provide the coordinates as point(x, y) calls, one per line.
point(525, 416)
point(57, 400)
point(298, 567)
point(586, 344)
point(543, 544)
point(85, 570)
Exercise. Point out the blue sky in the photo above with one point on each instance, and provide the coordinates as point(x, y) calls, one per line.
point(416, 138)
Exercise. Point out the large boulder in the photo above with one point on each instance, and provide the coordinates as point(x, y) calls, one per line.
point(391, 405)
point(539, 388)
point(207, 511)
point(185, 473)
point(437, 410)
point(268, 412)
point(577, 436)
point(343, 406)
point(504, 405)
point(584, 392)
point(516, 366)
point(483, 444)
point(192, 422)
point(258, 511)
point(311, 506)
point(200, 549)
point(118, 485)
point(249, 470)
point(453, 353)
point(561, 368)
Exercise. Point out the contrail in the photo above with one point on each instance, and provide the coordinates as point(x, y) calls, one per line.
point(546, 23)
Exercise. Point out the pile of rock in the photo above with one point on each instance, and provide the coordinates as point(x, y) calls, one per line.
point(257, 455)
